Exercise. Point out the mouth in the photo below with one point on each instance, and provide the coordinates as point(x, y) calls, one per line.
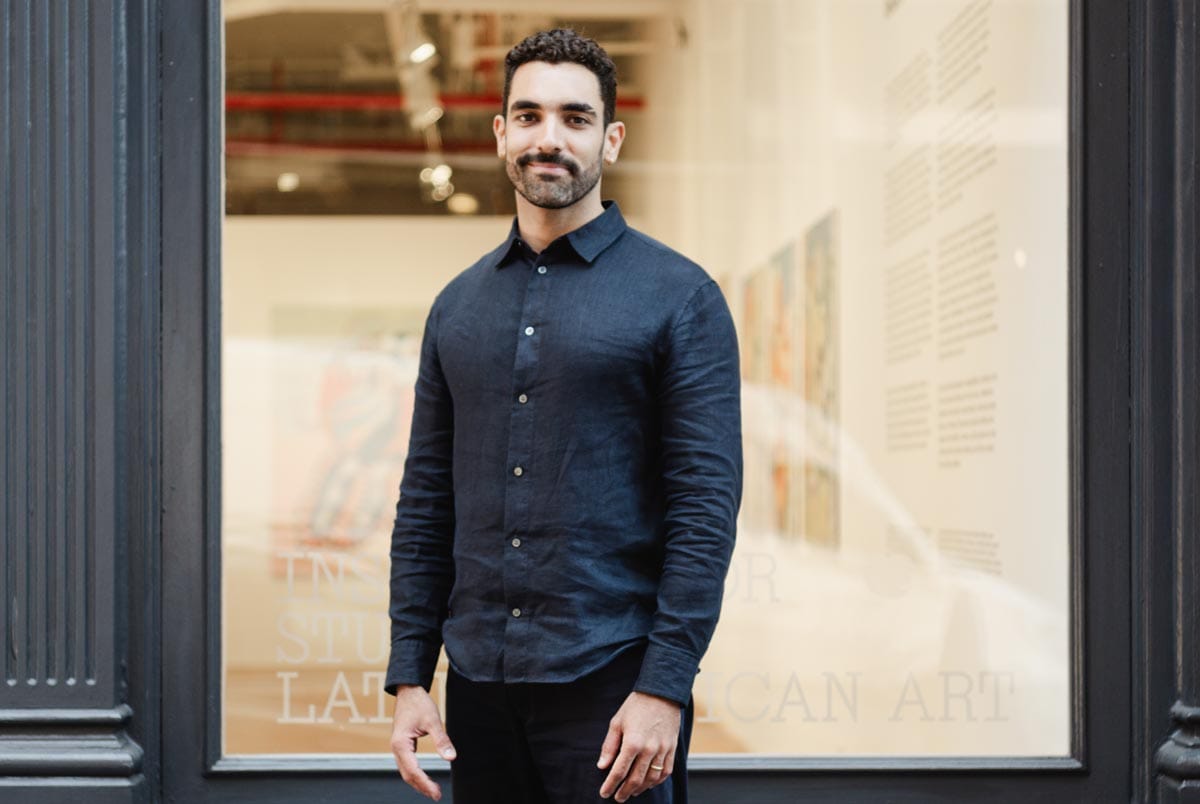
point(552, 168)
point(547, 165)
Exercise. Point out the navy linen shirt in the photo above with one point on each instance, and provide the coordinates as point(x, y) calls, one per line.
point(574, 470)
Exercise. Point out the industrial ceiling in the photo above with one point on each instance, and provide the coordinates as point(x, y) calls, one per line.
point(382, 107)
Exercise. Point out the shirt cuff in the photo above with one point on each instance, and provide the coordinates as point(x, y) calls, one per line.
point(667, 673)
point(413, 661)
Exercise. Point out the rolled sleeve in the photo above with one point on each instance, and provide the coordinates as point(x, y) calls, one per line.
point(700, 409)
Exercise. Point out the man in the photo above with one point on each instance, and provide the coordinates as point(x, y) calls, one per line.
point(567, 512)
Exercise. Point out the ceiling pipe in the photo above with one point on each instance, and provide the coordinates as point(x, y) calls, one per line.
point(322, 101)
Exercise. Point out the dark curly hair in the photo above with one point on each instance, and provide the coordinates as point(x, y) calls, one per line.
point(564, 45)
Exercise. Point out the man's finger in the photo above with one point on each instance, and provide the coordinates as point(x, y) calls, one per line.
point(635, 780)
point(441, 741)
point(619, 770)
point(668, 764)
point(406, 761)
point(660, 769)
point(609, 750)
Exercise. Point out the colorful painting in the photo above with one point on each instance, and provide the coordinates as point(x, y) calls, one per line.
point(821, 350)
point(342, 388)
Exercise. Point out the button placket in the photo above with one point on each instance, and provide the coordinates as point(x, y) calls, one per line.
point(519, 491)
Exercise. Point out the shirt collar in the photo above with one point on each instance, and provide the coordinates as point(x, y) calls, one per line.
point(587, 241)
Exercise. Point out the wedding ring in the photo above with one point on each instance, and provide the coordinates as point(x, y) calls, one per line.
point(656, 767)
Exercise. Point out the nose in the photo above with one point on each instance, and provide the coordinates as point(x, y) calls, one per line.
point(551, 135)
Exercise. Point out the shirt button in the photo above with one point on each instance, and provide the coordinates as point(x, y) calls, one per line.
point(522, 399)
point(516, 612)
point(518, 471)
point(541, 269)
point(528, 330)
point(516, 542)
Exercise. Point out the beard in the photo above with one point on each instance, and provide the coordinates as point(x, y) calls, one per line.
point(551, 191)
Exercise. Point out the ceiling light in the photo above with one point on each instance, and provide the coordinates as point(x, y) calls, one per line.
point(422, 52)
point(426, 118)
point(463, 204)
point(287, 182)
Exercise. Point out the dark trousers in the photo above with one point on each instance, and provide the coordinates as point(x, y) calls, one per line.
point(534, 743)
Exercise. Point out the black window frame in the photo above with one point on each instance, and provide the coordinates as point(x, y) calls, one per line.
point(1100, 375)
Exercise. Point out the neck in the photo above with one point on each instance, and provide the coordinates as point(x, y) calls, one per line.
point(539, 227)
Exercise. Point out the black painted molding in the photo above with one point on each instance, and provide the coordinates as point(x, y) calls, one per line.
point(1169, 119)
point(117, 716)
point(67, 742)
point(78, 322)
point(58, 755)
point(1179, 756)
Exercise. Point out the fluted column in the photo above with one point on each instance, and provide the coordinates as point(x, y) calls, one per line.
point(71, 291)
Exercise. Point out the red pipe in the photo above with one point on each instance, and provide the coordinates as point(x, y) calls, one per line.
point(321, 101)
point(238, 146)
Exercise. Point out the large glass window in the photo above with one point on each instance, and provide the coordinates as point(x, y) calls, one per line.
point(879, 186)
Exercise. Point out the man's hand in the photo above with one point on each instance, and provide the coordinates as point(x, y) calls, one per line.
point(644, 732)
point(416, 716)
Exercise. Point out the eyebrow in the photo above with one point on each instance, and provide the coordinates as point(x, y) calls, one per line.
point(584, 108)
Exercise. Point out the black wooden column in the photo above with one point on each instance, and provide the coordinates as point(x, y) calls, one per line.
point(1167, 396)
point(78, 248)
point(1178, 759)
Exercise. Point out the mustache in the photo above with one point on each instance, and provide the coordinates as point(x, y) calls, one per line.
point(524, 160)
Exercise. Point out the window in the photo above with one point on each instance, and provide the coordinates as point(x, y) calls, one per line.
point(881, 190)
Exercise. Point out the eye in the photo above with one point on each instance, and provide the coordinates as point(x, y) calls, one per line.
point(577, 120)
point(524, 117)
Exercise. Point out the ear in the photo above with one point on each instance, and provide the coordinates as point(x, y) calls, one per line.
point(498, 130)
point(614, 135)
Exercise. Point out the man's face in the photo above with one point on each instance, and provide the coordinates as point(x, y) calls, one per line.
point(553, 139)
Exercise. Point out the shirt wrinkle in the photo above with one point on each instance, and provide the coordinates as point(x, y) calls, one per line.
point(682, 314)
